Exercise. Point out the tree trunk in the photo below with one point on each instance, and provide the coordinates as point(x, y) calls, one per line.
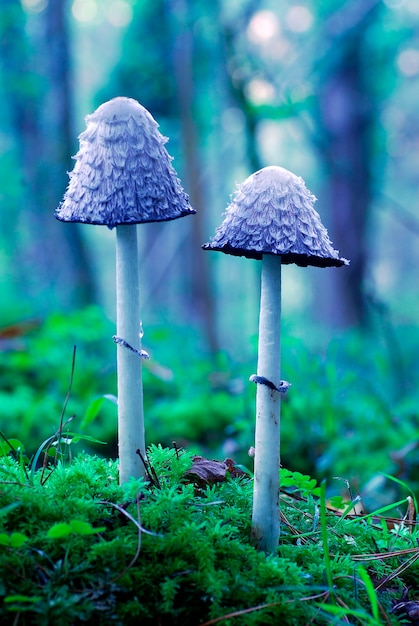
point(345, 121)
point(36, 80)
point(237, 87)
point(61, 144)
point(183, 53)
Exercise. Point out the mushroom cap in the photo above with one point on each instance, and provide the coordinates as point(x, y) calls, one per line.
point(123, 173)
point(272, 213)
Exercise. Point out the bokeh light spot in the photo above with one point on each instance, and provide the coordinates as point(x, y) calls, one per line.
point(412, 6)
point(259, 91)
point(84, 10)
point(299, 19)
point(394, 4)
point(34, 6)
point(119, 13)
point(408, 62)
point(263, 26)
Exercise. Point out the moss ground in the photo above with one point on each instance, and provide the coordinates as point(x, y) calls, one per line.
point(76, 548)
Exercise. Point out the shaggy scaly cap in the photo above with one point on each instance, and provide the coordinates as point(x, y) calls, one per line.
point(272, 213)
point(123, 173)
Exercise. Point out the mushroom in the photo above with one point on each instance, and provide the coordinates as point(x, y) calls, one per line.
point(271, 218)
point(122, 177)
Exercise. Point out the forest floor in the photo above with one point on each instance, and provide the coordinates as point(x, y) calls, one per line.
point(175, 548)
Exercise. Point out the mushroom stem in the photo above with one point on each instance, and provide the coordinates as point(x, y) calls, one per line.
point(265, 519)
point(129, 366)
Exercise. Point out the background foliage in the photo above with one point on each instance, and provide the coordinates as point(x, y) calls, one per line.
point(350, 414)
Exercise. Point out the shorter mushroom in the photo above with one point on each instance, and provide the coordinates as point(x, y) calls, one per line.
point(122, 177)
point(272, 218)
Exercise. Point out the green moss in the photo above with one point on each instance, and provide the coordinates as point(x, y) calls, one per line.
point(71, 551)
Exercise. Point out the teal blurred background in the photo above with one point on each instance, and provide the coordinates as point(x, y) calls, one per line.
point(327, 89)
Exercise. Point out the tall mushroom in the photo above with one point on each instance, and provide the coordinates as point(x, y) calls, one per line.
point(272, 218)
point(122, 177)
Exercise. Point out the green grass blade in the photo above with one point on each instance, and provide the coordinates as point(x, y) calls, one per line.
point(372, 594)
point(378, 512)
point(324, 535)
point(404, 485)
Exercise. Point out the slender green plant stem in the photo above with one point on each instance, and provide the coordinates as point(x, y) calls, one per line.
point(130, 388)
point(323, 524)
point(265, 519)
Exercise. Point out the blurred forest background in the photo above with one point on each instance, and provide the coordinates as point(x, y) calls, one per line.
point(328, 89)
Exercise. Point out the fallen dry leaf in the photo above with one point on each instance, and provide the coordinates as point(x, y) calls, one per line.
point(209, 472)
